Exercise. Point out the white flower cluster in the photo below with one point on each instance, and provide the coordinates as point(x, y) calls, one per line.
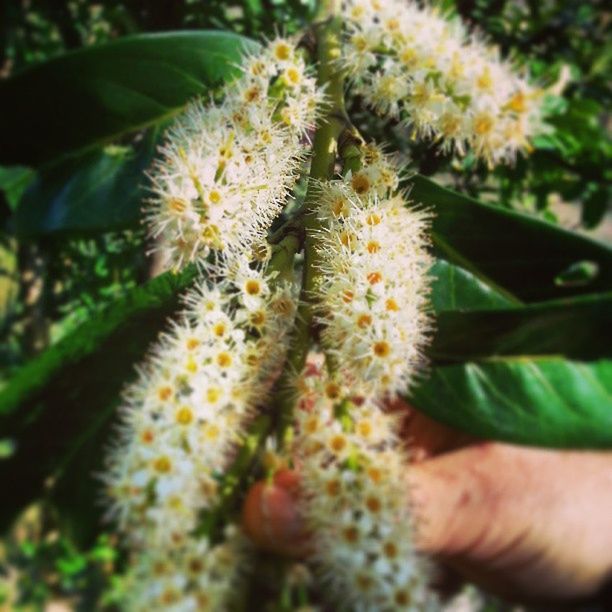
point(371, 299)
point(373, 290)
point(409, 60)
point(356, 499)
point(227, 168)
point(187, 408)
point(183, 418)
point(191, 577)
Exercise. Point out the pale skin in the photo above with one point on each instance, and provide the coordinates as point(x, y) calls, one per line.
point(528, 524)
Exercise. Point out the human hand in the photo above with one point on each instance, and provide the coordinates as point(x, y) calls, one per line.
point(527, 524)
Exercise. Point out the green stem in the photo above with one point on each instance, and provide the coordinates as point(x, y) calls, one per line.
point(231, 487)
point(325, 148)
point(283, 254)
point(325, 152)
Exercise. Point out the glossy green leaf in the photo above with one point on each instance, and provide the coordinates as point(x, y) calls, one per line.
point(94, 95)
point(596, 205)
point(101, 190)
point(454, 288)
point(578, 328)
point(13, 182)
point(548, 402)
point(521, 254)
point(58, 405)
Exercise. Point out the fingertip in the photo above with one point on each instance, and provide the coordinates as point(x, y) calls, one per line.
point(288, 480)
point(270, 515)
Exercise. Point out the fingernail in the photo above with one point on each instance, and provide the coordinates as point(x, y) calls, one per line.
point(271, 517)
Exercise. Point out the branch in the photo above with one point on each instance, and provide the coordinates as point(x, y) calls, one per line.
point(325, 150)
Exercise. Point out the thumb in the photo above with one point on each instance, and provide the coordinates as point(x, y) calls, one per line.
point(455, 498)
point(501, 515)
point(270, 515)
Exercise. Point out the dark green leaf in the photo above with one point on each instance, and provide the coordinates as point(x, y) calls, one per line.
point(59, 405)
point(517, 252)
point(454, 288)
point(93, 95)
point(578, 328)
point(99, 191)
point(546, 402)
point(578, 274)
point(595, 206)
point(13, 182)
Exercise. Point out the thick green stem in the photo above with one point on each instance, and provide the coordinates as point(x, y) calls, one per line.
point(325, 152)
point(283, 255)
point(325, 148)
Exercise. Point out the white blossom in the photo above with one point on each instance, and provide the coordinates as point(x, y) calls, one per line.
point(189, 405)
point(355, 499)
point(226, 168)
point(412, 62)
point(373, 289)
point(190, 577)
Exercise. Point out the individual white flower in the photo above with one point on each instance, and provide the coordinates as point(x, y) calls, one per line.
point(413, 62)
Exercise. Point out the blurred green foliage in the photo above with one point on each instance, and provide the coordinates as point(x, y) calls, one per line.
point(557, 42)
point(54, 276)
point(551, 37)
point(38, 566)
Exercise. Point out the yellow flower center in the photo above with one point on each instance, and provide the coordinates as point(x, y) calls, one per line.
point(351, 534)
point(162, 465)
point(282, 51)
point(214, 196)
point(364, 428)
point(373, 504)
point(374, 277)
point(184, 415)
point(338, 443)
point(338, 207)
point(518, 103)
point(347, 296)
point(224, 359)
point(211, 432)
point(382, 348)
point(485, 81)
point(373, 219)
point(333, 488)
point(253, 287)
point(312, 424)
point(219, 330)
point(252, 94)
point(391, 305)
point(390, 550)
point(364, 320)
point(360, 183)
point(213, 395)
point(293, 76)
point(147, 436)
point(332, 390)
point(177, 205)
point(257, 318)
point(359, 42)
point(164, 393)
point(483, 124)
